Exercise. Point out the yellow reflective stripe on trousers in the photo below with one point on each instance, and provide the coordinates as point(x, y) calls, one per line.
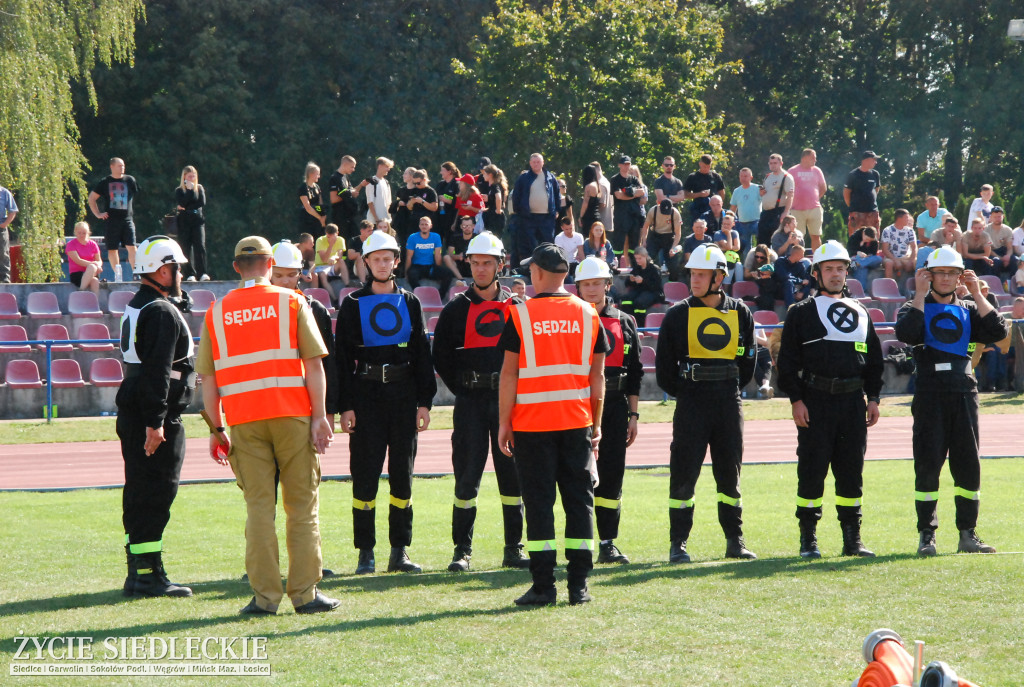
point(844, 501)
point(261, 384)
point(543, 545)
point(809, 503)
point(467, 503)
point(728, 500)
point(606, 503)
point(680, 503)
point(549, 396)
point(364, 505)
point(400, 503)
point(967, 494)
point(146, 547)
point(926, 496)
point(511, 500)
point(579, 544)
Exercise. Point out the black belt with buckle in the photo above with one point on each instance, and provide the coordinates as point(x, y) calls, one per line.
point(710, 373)
point(386, 373)
point(480, 380)
point(832, 385)
point(616, 383)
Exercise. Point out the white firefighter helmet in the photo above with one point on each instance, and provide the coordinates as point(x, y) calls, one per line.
point(593, 267)
point(157, 251)
point(486, 243)
point(944, 256)
point(830, 250)
point(379, 240)
point(707, 257)
point(287, 255)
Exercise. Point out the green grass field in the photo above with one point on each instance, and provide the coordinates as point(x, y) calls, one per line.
point(775, 621)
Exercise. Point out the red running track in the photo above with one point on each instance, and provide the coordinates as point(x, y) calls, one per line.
point(98, 463)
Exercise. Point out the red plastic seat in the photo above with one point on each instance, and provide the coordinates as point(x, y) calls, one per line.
point(117, 300)
point(430, 298)
point(676, 291)
point(9, 306)
point(106, 372)
point(886, 290)
point(767, 317)
point(53, 332)
point(23, 374)
point(13, 333)
point(43, 305)
point(202, 300)
point(995, 287)
point(456, 290)
point(877, 315)
point(65, 373)
point(856, 290)
point(654, 320)
point(345, 292)
point(84, 304)
point(95, 331)
point(647, 356)
point(744, 290)
point(321, 295)
point(432, 324)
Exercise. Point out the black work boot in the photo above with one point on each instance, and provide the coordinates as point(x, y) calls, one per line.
point(579, 593)
point(538, 596)
point(677, 552)
point(366, 564)
point(809, 540)
point(926, 546)
point(735, 547)
point(146, 577)
point(852, 545)
point(609, 553)
point(970, 542)
point(399, 561)
point(460, 560)
point(515, 558)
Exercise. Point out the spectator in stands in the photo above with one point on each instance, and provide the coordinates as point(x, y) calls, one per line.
point(899, 246)
point(728, 239)
point(794, 274)
point(355, 250)
point(564, 205)
point(635, 171)
point(570, 242)
point(701, 185)
point(714, 215)
point(480, 181)
point(118, 191)
point(786, 237)
point(590, 211)
point(947, 235)
point(422, 201)
point(643, 287)
point(667, 186)
point(536, 198)
point(447, 190)
point(400, 210)
point(84, 261)
point(763, 363)
point(329, 259)
point(423, 257)
point(307, 246)
point(1018, 240)
point(930, 221)
point(190, 198)
point(344, 197)
point(384, 224)
point(863, 249)
point(378, 191)
point(630, 196)
point(470, 202)
point(497, 194)
point(759, 267)
point(699, 237)
point(776, 198)
point(745, 203)
point(312, 210)
point(598, 245)
point(1003, 256)
point(661, 235)
point(981, 206)
point(519, 288)
point(809, 188)
point(1013, 361)
point(455, 252)
point(976, 248)
point(607, 212)
point(8, 211)
point(860, 193)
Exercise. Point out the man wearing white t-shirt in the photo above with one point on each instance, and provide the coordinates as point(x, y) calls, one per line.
point(809, 188)
point(899, 245)
point(570, 242)
point(982, 206)
point(378, 193)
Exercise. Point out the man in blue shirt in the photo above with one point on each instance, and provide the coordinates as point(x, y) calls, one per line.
point(423, 257)
point(745, 203)
point(8, 211)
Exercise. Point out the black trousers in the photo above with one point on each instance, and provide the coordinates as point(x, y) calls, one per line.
point(192, 238)
point(385, 425)
point(767, 223)
point(474, 433)
point(439, 273)
point(837, 437)
point(546, 461)
point(627, 225)
point(150, 482)
point(611, 464)
point(708, 414)
point(637, 301)
point(946, 424)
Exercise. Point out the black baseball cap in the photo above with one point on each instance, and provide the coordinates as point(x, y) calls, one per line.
point(625, 160)
point(998, 209)
point(483, 162)
point(869, 153)
point(549, 258)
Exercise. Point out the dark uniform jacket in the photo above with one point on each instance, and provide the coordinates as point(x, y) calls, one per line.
point(804, 349)
point(350, 350)
point(629, 347)
point(674, 343)
point(959, 377)
point(163, 342)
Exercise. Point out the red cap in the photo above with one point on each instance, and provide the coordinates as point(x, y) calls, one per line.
point(468, 179)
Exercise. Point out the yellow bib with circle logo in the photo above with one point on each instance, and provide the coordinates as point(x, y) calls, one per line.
point(713, 334)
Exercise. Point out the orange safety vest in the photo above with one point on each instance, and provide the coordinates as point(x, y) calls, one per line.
point(254, 334)
point(558, 335)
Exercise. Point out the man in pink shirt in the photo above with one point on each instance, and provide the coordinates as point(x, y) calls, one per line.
point(809, 189)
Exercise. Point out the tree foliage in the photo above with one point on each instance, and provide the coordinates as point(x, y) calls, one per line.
point(45, 47)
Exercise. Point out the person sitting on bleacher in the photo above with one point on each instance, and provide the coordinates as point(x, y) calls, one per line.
point(84, 261)
point(759, 267)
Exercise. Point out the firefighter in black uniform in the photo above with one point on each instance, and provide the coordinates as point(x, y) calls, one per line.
point(705, 356)
point(829, 359)
point(623, 374)
point(943, 330)
point(467, 358)
point(159, 383)
point(386, 388)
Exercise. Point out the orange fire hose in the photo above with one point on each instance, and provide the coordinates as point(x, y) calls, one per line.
point(889, 663)
point(938, 674)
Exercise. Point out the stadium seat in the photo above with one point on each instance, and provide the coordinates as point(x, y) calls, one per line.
point(432, 324)
point(877, 316)
point(53, 332)
point(910, 286)
point(43, 305)
point(647, 356)
point(84, 304)
point(202, 300)
point(9, 306)
point(14, 332)
point(65, 373)
point(321, 295)
point(995, 287)
point(676, 291)
point(23, 374)
point(96, 331)
point(856, 290)
point(456, 290)
point(106, 372)
point(117, 300)
point(344, 292)
point(744, 290)
point(766, 317)
point(887, 292)
point(654, 320)
point(430, 298)
point(1006, 308)
point(571, 288)
point(889, 344)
